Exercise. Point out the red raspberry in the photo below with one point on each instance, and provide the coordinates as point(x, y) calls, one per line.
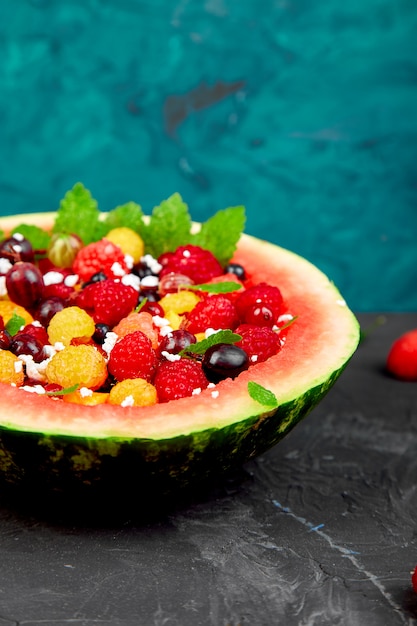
point(178, 379)
point(107, 301)
point(133, 357)
point(59, 290)
point(260, 305)
point(100, 256)
point(259, 342)
point(198, 264)
point(414, 579)
point(402, 357)
point(215, 311)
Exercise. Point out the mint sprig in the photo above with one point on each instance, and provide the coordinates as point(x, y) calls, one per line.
point(227, 286)
point(262, 395)
point(221, 336)
point(78, 214)
point(63, 392)
point(221, 232)
point(14, 324)
point(38, 237)
point(129, 215)
point(169, 226)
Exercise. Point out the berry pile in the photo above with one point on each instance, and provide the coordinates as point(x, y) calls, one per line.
point(106, 322)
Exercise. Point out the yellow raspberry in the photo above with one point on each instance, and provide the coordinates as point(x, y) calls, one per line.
point(70, 323)
point(11, 369)
point(8, 308)
point(174, 320)
point(91, 399)
point(128, 240)
point(138, 321)
point(81, 365)
point(179, 302)
point(133, 392)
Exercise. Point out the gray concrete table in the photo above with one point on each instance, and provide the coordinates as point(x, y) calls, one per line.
point(320, 530)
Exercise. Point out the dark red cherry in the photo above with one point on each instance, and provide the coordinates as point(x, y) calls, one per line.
point(224, 360)
point(47, 308)
point(176, 341)
point(17, 248)
point(24, 284)
point(23, 343)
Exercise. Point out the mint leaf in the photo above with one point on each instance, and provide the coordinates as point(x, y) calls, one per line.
point(63, 392)
point(222, 336)
point(169, 227)
point(226, 286)
point(78, 214)
point(262, 395)
point(128, 215)
point(38, 238)
point(221, 232)
point(14, 324)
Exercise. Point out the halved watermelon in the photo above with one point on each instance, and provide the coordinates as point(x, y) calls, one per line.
point(61, 445)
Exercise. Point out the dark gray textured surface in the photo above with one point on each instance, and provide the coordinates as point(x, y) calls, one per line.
point(321, 530)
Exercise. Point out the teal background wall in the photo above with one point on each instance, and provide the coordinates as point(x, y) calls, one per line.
point(303, 111)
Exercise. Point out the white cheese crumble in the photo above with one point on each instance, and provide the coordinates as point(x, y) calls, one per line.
point(254, 358)
point(170, 357)
point(129, 261)
point(286, 317)
point(215, 394)
point(149, 281)
point(131, 280)
point(152, 263)
point(18, 236)
point(5, 265)
point(211, 331)
point(85, 392)
point(58, 345)
point(71, 280)
point(3, 290)
point(18, 366)
point(52, 278)
point(35, 371)
point(196, 391)
point(117, 269)
point(34, 389)
point(109, 342)
point(17, 247)
point(128, 401)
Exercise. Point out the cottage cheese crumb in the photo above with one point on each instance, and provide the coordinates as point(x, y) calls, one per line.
point(85, 392)
point(128, 401)
point(71, 280)
point(3, 290)
point(109, 342)
point(52, 278)
point(170, 357)
point(117, 269)
point(5, 265)
point(152, 263)
point(18, 236)
point(149, 281)
point(18, 366)
point(215, 394)
point(34, 389)
point(131, 280)
point(196, 391)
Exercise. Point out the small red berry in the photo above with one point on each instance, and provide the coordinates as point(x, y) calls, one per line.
point(198, 264)
point(100, 256)
point(215, 311)
point(402, 357)
point(178, 379)
point(259, 342)
point(260, 304)
point(133, 357)
point(107, 301)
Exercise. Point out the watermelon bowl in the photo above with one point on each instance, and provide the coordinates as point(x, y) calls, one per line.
point(49, 446)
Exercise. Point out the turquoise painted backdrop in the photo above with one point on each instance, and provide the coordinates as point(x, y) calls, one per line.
point(303, 111)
